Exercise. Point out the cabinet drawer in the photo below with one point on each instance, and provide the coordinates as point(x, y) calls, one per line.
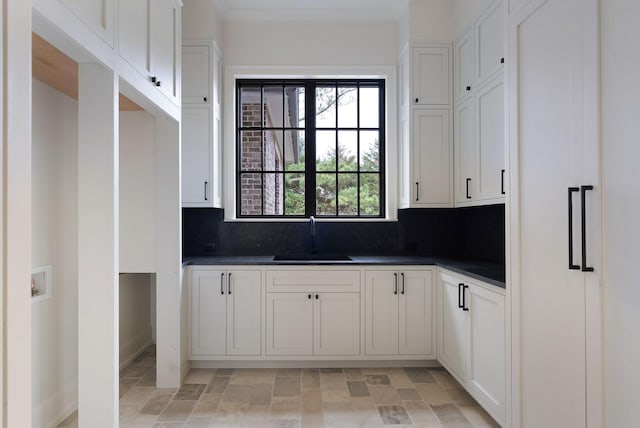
point(313, 281)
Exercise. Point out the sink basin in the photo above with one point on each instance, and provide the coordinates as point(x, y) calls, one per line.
point(311, 257)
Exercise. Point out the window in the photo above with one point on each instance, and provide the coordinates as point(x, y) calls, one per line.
point(310, 147)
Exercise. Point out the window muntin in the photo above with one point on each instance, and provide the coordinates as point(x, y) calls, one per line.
point(337, 124)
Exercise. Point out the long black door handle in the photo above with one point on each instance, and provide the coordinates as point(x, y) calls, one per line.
point(205, 190)
point(222, 283)
point(464, 298)
point(395, 288)
point(468, 195)
point(229, 284)
point(583, 191)
point(570, 210)
point(402, 276)
point(460, 288)
point(502, 182)
point(417, 191)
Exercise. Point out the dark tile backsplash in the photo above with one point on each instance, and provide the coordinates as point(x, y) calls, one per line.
point(469, 233)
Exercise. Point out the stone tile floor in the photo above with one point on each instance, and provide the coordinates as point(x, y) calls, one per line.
point(367, 397)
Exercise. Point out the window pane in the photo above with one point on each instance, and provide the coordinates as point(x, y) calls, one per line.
point(272, 192)
point(294, 194)
point(369, 194)
point(325, 150)
point(294, 150)
point(347, 107)
point(251, 194)
point(326, 107)
point(295, 104)
point(273, 154)
point(369, 113)
point(325, 194)
point(251, 148)
point(369, 151)
point(347, 150)
point(273, 106)
point(348, 194)
point(250, 107)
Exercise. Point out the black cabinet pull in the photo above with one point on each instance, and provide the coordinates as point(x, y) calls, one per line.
point(460, 288)
point(222, 283)
point(205, 99)
point(158, 83)
point(153, 79)
point(309, 296)
point(206, 183)
point(468, 88)
point(229, 284)
point(417, 191)
point(416, 100)
point(501, 60)
point(502, 182)
point(317, 296)
point(464, 298)
point(395, 288)
point(583, 191)
point(402, 275)
point(468, 195)
point(570, 211)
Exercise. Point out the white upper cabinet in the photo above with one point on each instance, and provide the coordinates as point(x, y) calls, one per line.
point(149, 40)
point(196, 157)
point(465, 151)
point(196, 75)
point(430, 75)
point(463, 52)
point(97, 15)
point(489, 41)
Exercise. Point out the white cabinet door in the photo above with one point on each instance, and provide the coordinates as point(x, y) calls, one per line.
point(489, 106)
point(453, 327)
point(289, 324)
point(486, 373)
point(196, 157)
point(244, 312)
point(208, 313)
point(133, 29)
point(463, 51)
point(416, 318)
point(465, 150)
point(165, 46)
point(430, 75)
point(489, 39)
point(432, 158)
point(336, 324)
point(196, 75)
point(381, 313)
point(97, 14)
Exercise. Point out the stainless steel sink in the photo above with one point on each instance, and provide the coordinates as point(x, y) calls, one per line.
point(311, 257)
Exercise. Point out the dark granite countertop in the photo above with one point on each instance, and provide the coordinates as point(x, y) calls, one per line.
point(492, 273)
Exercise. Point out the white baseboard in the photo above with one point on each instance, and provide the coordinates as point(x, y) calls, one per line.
point(211, 364)
point(133, 347)
point(57, 407)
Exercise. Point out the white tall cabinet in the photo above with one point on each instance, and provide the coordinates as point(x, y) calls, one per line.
point(554, 264)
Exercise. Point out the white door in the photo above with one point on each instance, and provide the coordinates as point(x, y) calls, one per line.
point(289, 323)
point(165, 36)
point(416, 311)
point(196, 156)
point(336, 324)
point(489, 106)
point(430, 75)
point(548, 42)
point(244, 314)
point(432, 158)
point(381, 313)
point(196, 75)
point(465, 149)
point(133, 30)
point(453, 327)
point(486, 372)
point(208, 313)
point(463, 51)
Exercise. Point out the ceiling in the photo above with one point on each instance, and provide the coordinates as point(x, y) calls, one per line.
point(346, 10)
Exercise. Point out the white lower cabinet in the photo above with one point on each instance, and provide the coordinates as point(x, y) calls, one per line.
point(313, 313)
point(472, 340)
point(399, 313)
point(225, 312)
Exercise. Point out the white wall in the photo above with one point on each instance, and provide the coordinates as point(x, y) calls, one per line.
point(137, 192)
point(292, 43)
point(621, 245)
point(431, 20)
point(54, 242)
point(135, 314)
point(201, 21)
point(464, 13)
